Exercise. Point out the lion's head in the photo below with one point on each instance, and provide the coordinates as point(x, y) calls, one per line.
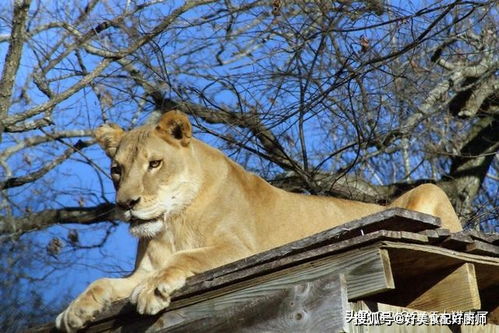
point(151, 170)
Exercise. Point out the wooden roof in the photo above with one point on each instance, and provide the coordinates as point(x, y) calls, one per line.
point(397, 257)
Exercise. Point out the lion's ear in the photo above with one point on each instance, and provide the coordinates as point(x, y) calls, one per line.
point(174, 126)
point(108, 137)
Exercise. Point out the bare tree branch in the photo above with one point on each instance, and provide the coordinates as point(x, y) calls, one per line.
point(13, 57)
point(19, 181)
point(49, 105)
point(46, 218)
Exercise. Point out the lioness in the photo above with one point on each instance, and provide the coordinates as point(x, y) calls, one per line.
point(194, 209)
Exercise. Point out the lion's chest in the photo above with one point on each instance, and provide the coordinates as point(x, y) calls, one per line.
point(160, 249)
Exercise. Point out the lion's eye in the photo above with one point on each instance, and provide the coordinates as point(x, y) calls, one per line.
point(154, 164)
point(115, 170)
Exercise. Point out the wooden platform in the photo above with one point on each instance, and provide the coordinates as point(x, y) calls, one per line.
point(396, 259)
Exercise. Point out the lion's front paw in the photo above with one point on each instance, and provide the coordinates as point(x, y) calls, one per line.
point(153, 295)
point(84, 308)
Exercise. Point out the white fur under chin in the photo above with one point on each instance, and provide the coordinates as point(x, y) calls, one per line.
point(147, 229)
point(171, 201)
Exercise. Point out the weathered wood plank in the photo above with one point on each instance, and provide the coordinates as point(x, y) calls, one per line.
point(457, 291)
point(484, 237)
point(436, 236)
point(366, 272)
point(457, 241)
point(195, 287)
point(447, 255)
point(462, 240)
point(479, 247)
point(254, 271)
point(315, 306)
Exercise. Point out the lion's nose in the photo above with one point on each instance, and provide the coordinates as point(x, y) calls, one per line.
point(129, 203)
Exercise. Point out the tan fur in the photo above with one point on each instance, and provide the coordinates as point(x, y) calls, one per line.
point(203, 211)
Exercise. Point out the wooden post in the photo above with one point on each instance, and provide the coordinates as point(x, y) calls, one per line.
point(458, 291)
